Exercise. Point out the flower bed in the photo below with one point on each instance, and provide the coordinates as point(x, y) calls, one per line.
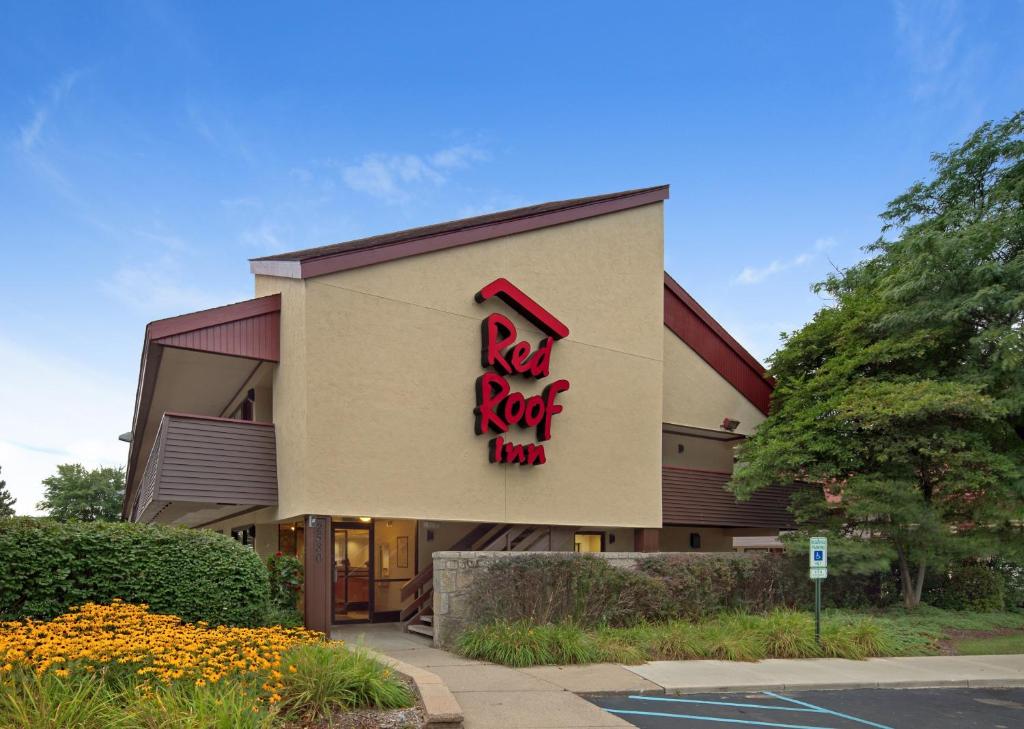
point(124, 663)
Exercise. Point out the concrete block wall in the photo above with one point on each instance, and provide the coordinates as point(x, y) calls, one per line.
point(454, 573)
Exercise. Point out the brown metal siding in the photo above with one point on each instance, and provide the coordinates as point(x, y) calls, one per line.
point(699, 498)
point(216, 460)
point(256, 337)
point(702, 334)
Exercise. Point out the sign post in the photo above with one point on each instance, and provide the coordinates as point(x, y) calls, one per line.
point(818, 553)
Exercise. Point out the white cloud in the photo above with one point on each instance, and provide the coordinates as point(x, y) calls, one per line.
point(753, 274)
point(32, 131)
point(943, 67)
point(264, 237)
point(153, 289)
point(56, 410)
point(393, 177)
point(460, 156)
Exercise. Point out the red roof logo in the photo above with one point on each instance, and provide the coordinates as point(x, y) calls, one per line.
point(514, 297)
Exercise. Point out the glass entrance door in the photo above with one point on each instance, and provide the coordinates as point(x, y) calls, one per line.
point(353, 573)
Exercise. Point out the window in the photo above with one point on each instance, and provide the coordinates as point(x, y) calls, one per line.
point(249, 406)
point(589, 541)
point(246, 535)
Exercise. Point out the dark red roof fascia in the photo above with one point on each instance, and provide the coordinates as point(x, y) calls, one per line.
point(698, 330)
point(393, 246)
point(212, 317)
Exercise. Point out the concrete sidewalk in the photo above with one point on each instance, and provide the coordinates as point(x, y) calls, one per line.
point(679, 677)
point(491, 697)
point(545, 697)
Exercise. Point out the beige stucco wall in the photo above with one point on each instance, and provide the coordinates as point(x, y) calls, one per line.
point(705, 454)
point(390, 354)
point(696, 395)
point(290, 391)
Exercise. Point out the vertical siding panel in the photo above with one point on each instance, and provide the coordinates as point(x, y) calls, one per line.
point(257, 337)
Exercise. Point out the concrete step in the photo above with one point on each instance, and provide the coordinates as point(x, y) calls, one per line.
point(428, 619)
point(420, 629)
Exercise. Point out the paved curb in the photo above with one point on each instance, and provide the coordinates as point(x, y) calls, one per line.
point(441, 709)
point(837, 686)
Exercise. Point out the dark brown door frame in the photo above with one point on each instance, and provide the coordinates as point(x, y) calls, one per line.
point(371, 566)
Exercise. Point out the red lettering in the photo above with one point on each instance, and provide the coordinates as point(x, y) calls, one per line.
point(534, 410)
point(540, 363)
point(515, 405)
point(495, 449)
point(499, 332)
point(519, 356)
point(515, 453)
point(491, 389)
point(535, 455)
point(551, 409)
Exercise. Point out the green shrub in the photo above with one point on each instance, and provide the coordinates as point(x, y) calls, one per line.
point(285, 573)
point(1013, 579)
point(972, 586)
point(47, 567)
point(285, 617)
point(581, 589)
point(328, 678)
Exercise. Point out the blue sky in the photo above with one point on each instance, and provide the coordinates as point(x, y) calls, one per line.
point(148, 149)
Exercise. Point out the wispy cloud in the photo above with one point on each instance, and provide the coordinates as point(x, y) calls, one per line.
point(753, 274)
point(219, 133)
point(394, 177)
point(155, 289)
point(32, 131)
point(943, 65)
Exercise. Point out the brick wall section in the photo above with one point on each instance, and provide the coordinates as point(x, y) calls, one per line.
point(454, 572)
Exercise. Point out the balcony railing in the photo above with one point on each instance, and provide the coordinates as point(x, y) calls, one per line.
point(198, 462)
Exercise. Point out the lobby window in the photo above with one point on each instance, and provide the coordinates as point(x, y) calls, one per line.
point(290, 539)
point(589, 541)
point(246, 535)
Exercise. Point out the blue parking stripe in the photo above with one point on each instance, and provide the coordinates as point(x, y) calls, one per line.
point(694, 717)
point(725, 703)
point(827, 711)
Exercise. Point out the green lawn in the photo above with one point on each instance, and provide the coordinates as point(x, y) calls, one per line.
point(996, 645)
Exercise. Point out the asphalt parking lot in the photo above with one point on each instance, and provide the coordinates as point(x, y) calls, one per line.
point(851, 709)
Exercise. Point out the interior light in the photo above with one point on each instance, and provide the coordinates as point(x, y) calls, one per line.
point(365, 519)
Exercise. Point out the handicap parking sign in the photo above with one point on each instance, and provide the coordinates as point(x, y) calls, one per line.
point(819, 555)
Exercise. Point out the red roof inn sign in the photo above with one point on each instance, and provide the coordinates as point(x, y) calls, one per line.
point(498, 407)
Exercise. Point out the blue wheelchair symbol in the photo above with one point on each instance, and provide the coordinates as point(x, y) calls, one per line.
point(819, 555)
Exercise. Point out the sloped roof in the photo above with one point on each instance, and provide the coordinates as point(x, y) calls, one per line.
point(310, 262)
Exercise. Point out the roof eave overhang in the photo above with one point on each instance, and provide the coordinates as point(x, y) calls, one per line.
point(162, 333)
point(361, 257)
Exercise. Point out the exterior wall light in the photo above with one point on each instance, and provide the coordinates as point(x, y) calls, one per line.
point(366, 519)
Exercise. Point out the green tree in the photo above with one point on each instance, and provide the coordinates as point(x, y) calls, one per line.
point(76, 493)
point(904, 398)
point(6, 500)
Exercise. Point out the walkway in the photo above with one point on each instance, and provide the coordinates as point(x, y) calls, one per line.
point(494, 697)
point(545, 697)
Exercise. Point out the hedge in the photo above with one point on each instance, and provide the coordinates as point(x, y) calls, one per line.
point(48, 566)
point(588, 591)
